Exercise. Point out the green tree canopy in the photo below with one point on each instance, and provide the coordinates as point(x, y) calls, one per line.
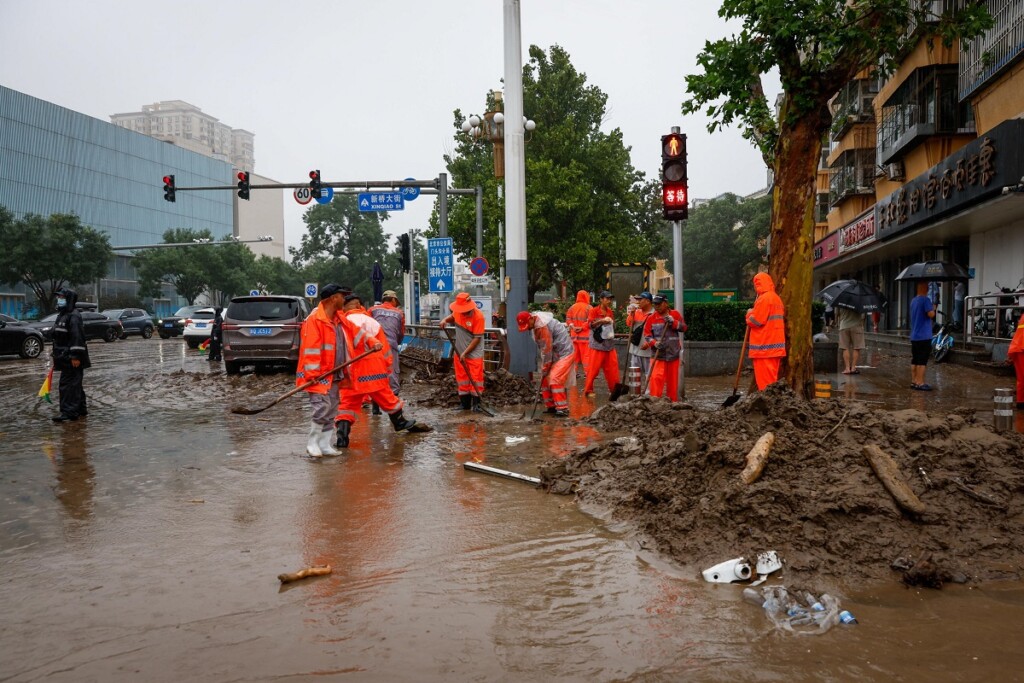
point(47, 253)
point(276, 276)
point(190, 269)
point(724, 242)
point(817, 46)
point(341, 245)
point(585, 203)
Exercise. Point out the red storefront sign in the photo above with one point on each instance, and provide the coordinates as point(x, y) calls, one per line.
point(826, 249)
point(858, 234)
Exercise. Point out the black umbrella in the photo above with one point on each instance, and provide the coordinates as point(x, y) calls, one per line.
point(377, 278)
point(934, 270)
point(854, 295)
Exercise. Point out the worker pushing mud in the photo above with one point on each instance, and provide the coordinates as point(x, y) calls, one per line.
point(469, 350)
point(556, 350)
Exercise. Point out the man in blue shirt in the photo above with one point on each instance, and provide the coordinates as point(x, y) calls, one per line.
point(922, 312)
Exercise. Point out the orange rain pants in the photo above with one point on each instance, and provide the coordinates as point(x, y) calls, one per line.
point(552, 389)
point(469, 381)
point(766, 371)
point(608, 361)
point(665, 379)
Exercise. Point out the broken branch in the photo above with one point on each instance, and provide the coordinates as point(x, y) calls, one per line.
point(888, 472)
point(318, 570)
point(757, 457)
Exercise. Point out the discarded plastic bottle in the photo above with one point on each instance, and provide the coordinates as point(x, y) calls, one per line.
point(813, 602)
point(753, 596)
point(847, 618)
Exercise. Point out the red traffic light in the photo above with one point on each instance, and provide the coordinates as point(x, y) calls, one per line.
point(243, 176)
point(167, 180)
point(673, 195)
point(314, 174)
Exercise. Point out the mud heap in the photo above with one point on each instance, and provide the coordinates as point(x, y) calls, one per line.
point(501, 388)
point(818, 501)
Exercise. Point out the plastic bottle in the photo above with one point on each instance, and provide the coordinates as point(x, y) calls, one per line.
point(847, 618)
point(753, 596)
point(813, 602)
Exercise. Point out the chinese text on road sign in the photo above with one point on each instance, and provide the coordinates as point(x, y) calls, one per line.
point(381, 201)
point(440, 264)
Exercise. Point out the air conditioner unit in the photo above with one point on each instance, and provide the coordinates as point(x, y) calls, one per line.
point(894, 171)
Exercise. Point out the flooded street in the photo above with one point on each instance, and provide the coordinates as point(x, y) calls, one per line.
point(144, 543)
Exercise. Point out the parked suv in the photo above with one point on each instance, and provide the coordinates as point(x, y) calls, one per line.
point(198, 326)
point(263, 330)
point(134, 321)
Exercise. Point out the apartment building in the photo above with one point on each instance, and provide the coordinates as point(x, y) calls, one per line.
point(187, 126)
point(922, 165)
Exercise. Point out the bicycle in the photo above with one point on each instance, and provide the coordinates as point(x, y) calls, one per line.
point(942, 342)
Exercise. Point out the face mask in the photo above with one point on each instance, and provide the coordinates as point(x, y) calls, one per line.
point(61, 303)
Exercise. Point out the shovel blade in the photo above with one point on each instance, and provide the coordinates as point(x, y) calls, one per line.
point(732, 399)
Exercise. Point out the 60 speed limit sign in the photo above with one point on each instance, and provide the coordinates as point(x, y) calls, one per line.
point(303, 195)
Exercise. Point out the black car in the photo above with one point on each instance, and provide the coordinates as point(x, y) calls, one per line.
point(97, 326)
point(134, 321)
point(174, 325)
point(19, 337)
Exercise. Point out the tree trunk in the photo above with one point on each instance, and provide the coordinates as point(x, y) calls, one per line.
point(791, 262)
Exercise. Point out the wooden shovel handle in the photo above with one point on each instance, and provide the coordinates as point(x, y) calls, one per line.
point(739, 367)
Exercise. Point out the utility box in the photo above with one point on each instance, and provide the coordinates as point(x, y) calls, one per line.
point(625, 279)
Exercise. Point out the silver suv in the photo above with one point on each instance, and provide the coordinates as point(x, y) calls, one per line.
point(263, 330)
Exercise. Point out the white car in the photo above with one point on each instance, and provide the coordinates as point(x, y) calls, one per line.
point(198, 326)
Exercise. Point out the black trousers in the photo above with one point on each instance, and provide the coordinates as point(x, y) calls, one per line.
point(72, 394)
point(215, 348)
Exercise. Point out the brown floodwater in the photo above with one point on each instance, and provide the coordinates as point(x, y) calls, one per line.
point(144, 542)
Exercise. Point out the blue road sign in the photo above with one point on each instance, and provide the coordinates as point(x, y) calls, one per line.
point(326, 195)
point(440, 264)
point(381, 201)
point(410, 193)
point(312, 289)
point(479, 266)
point(254, 292)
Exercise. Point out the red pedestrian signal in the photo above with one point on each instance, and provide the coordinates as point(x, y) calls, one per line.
point(673, 177)
point(243, 185)
point(314, 184)
point(169, 188)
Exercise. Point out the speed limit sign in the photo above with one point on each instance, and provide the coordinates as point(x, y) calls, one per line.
point(302, 195)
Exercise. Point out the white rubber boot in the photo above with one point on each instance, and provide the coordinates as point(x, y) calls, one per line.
point(313, 444)
point(327, 443)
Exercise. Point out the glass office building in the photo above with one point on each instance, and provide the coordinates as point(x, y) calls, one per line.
point(54, 160)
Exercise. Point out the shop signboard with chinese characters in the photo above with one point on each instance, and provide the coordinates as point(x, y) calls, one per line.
point(826, 249)
point(859, 233)
point(972, 174)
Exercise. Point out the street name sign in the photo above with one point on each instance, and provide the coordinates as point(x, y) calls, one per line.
point(381, 201)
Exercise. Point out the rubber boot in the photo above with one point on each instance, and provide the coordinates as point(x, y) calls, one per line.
point(326, 447)
point(466, 401)
point(475, 403)
point(399, 422)
point(343, 429)
point(375, 410)
point(313, 444)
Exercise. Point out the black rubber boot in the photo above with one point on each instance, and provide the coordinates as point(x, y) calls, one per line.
point(343, 430)
point(466, 401)
point(551, 410)
point(475, 402)
point(375, 410)
point(399, 422)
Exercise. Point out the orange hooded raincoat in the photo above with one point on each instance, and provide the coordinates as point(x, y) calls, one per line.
point(767, 323)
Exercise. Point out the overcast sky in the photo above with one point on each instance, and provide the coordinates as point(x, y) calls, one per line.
point(366, 90)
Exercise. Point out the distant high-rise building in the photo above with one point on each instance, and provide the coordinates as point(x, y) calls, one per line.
point(186, 126)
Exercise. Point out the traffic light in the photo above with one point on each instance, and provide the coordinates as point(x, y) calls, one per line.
point(405, 252)
point(243, 185)
point(169, 188)
point(673, 177)
point(314, 183)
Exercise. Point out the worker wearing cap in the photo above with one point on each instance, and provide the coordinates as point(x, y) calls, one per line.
point(392, 319)
point(601, 321)
point(661, 334)
point(368, 376)
point(557, 356)
point(469, 349)
point(767, 323)
point(321, 348)
point(577, 318)
point(635, 321)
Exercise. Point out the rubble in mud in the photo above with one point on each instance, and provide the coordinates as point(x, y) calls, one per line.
point(676, 482)
point(501, 388)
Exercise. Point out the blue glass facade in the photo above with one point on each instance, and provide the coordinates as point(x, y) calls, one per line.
point(54, 160)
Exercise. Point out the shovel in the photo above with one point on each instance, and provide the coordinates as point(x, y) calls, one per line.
point(654, 359)
point(242, 410)
point(480, 402)
point(739, 368)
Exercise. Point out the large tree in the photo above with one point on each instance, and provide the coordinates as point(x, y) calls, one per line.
point(47, 253)
point(341, 245)
point(817, 46)
point(585, 203)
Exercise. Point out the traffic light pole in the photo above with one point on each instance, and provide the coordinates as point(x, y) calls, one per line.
point(677, 281)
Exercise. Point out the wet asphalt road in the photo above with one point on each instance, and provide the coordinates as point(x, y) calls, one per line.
point(143, 543)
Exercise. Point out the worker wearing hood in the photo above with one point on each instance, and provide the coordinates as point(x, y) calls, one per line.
point(577, 318)
point(70, 356)
point(767, 323)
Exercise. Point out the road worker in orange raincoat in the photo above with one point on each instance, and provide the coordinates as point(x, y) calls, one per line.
point(469, 349)
point(603, 358)
point(766, 320)
point(1015, 355)
point(577, 318)
point(556, 357)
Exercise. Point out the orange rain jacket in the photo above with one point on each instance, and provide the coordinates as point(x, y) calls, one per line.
point(767, 321)
point(321, 350)
point(577, 318)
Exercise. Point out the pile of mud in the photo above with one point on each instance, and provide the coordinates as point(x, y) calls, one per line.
point(501, 388)
point(817, 502)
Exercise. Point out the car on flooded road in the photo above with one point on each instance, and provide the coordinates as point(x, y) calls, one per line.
point(97, 326)
point(263, 330)
point(20, 338)
point(133, 320)
point(198, 326)
point(173, 325)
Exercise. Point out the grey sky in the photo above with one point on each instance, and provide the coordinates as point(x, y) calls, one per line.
point(366, 90)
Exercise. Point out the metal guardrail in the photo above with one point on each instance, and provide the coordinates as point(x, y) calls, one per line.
point(988, 320)
point(433, 339)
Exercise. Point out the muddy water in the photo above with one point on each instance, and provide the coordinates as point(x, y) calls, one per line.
point(143, 543)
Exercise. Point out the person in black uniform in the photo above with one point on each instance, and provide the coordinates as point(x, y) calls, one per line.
point(70, 356)
point(216, 334)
